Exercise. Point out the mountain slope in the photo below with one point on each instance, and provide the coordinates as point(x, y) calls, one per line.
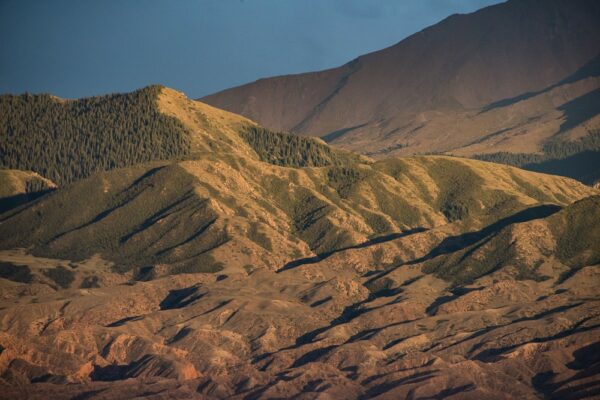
point(267, 265)
point(506, 78)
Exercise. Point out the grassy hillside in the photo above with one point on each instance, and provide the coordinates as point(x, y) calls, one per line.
point(577, 229)
point(567, 236)
point(208, 214)
point(66, 140)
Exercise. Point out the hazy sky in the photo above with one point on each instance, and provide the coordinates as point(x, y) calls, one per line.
point(75, 48)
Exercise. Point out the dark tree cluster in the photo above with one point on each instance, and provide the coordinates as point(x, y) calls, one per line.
point(551, 150)
point(67, 140)
point(289, 150)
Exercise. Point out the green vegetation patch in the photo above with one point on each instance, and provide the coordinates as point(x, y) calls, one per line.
point(308, 215)
point(577, 159)
point(15, 273)
point(531, 190)
point(459, 188)
point(206, 263)
point(462, 193)
point(345, 179)
point(62, 276)
point(151, 215)
point(310, 223)
point(576, 229)
point(399, 169)
point(464, 266)
point(552, 149)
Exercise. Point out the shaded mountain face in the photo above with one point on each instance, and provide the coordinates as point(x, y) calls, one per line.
point(507, 78)
point(267, 265)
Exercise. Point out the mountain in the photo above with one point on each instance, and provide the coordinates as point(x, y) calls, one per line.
point(509, 78)
point(269, 265)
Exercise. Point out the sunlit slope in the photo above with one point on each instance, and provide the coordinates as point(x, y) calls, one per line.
point(224, 211)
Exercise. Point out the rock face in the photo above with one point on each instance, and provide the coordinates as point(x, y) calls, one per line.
point(271, 266)
point(509, 77)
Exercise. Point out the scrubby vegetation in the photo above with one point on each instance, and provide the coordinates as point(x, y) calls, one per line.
point(484, 257)
point(16, 273)
point(259, 237)
point(62, 276)
point(90, 282)
point(66, 140)
point(460, 192)
point(344, 179)
point(204, 263)
point(289, 150)
point(308, 215)
point(123, 225)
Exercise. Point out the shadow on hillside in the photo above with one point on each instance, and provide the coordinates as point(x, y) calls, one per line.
point(584, 166)
point(459, 242)
point(179, 298)
point(371, 242)
point(8, 203)
point(580, 110)
point(591, 69)
point(331, 136)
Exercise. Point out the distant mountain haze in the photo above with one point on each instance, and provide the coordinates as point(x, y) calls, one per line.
point(449, 86)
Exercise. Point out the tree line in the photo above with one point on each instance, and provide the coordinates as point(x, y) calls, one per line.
point(553, 149)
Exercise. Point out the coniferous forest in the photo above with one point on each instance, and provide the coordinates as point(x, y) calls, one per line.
point(66, 140)
point(578, 159)
point(290, 150)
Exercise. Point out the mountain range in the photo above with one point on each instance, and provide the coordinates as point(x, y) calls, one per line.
point(516, 82)
point(237, 262)
point(159, 247)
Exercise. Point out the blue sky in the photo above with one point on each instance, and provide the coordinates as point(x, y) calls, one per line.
point(75, 48)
